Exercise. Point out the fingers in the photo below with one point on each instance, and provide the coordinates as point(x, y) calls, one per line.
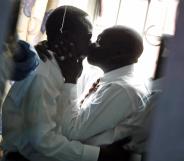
point(79, 58)
point(73, 50)
point(40, 53)
point(60, 50)
point(66, 50)
point(43, 52)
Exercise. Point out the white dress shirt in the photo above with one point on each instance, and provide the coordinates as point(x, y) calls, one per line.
point(89, 75)
point(31, 119)
point(114, 111)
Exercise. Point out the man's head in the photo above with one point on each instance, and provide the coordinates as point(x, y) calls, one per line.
point(76, 28)
point(116, 47)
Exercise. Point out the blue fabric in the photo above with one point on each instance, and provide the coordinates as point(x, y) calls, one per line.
point(0, 123)
point(28, 64)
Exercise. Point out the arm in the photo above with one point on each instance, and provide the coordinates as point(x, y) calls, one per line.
point(108, 107)
point(43, 51)
point(45, 134)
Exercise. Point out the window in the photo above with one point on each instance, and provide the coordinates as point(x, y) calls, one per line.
point(150, 18)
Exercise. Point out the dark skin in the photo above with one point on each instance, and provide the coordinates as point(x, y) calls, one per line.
point(113, 49)
point(73, 62)
point(71, 69)
point(109, 54)
point(69, 47)
point(113, 152)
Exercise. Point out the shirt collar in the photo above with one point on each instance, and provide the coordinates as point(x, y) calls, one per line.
point(117, 73)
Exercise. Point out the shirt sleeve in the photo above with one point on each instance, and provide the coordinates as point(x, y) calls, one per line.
point(107, 108)
point(25, 62)
point(45, 134)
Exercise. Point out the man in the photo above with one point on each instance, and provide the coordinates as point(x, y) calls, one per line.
point(116, 104)
point(32, 104)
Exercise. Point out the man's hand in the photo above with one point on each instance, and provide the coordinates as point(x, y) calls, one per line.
point(68, 60)
point(43, 51)
point(65, 54)
point(71, 69)
point(115, 151)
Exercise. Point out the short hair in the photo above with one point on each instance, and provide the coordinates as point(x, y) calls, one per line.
point(74, 21)
point(125, 40)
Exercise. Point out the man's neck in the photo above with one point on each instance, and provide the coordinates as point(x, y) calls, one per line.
point(113, 67)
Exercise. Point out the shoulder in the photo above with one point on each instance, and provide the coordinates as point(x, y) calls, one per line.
point(115, 89)
point(125, 92)
point(117, 86)
point(20, 89)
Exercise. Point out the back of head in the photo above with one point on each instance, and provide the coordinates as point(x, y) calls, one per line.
point(116, 47)
point(125, 43)
point(72, 20)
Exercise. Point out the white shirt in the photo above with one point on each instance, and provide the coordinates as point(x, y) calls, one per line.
point(31, 119)
point(114, 111)
point(89, 75)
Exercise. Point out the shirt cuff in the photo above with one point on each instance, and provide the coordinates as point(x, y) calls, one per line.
point(90, 153)
point(70, 90)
